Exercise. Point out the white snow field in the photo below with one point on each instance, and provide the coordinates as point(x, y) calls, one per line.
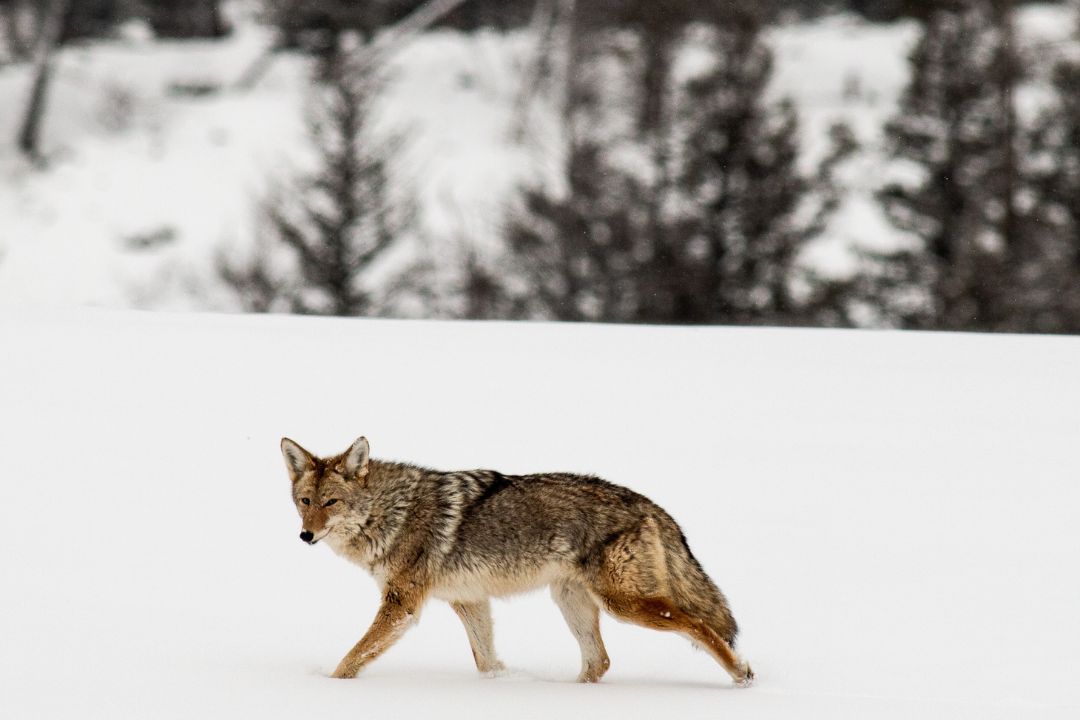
point(893, 516)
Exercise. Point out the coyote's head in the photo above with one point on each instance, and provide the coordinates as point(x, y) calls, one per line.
point(327, 491)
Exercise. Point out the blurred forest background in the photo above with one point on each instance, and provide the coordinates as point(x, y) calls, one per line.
point(842, 163)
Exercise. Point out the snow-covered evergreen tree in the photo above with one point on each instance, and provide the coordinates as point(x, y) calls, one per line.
point(338, 222)
point(696, 212)
point(957, 138)
point(738, 236)
point(1052, 296)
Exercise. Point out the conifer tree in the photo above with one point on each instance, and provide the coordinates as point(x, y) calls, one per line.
point(1052, 296)
point(957, 135)
point(338, 222)
point(706, 223)
point(739, 237)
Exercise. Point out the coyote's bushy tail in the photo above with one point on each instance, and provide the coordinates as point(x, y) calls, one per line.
point(692, 589)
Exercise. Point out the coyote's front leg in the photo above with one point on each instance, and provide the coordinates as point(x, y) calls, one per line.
point(476, 617)
point(397, 612)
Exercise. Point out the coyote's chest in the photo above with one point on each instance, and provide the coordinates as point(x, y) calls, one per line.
point(359, 552)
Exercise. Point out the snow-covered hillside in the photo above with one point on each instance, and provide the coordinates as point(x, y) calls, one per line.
point(893, 516)
point(148, 180)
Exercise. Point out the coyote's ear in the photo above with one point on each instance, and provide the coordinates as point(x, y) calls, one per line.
point(356, 459)
point(297, 459)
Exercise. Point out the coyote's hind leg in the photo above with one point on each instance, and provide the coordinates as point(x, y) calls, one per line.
point(662, 614)
point(583, 616)
point(648, 578)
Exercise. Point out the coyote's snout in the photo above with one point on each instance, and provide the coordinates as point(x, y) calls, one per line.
point(465, 537)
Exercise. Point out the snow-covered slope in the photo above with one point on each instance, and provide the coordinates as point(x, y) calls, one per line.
point(148, 182)
point(893, 516)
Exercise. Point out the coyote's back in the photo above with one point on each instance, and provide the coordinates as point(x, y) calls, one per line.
point(465, 537)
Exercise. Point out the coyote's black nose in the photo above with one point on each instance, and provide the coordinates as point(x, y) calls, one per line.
point(306, 536)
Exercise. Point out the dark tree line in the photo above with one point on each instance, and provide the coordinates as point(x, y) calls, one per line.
point(295, 17)
point(696, 212)
point(99, 18)
point(682, 199)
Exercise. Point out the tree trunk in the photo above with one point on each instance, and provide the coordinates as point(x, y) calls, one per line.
point(1008, 77)
point(12, 15)
point(549, 18)
point(52, 21)
point(260, 66)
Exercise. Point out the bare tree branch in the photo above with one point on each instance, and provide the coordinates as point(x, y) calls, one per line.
point(52, 24)
point(415, 22)
point(258, 67)
point(550, 19)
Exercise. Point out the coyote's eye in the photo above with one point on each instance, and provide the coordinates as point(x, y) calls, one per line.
point(330, 502)
point(306, 501)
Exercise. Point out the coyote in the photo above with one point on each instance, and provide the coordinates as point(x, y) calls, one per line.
point(465, 537)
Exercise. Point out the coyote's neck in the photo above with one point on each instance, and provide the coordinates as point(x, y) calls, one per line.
point(368, 538)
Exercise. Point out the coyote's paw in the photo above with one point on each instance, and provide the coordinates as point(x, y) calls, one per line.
point(747, 679)
point(593, 671)
point(343, 673)
point(496, 669)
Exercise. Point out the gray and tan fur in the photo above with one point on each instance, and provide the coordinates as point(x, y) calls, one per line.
point(465, 537)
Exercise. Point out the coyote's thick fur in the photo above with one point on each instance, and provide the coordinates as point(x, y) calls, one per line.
point(465, 537)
